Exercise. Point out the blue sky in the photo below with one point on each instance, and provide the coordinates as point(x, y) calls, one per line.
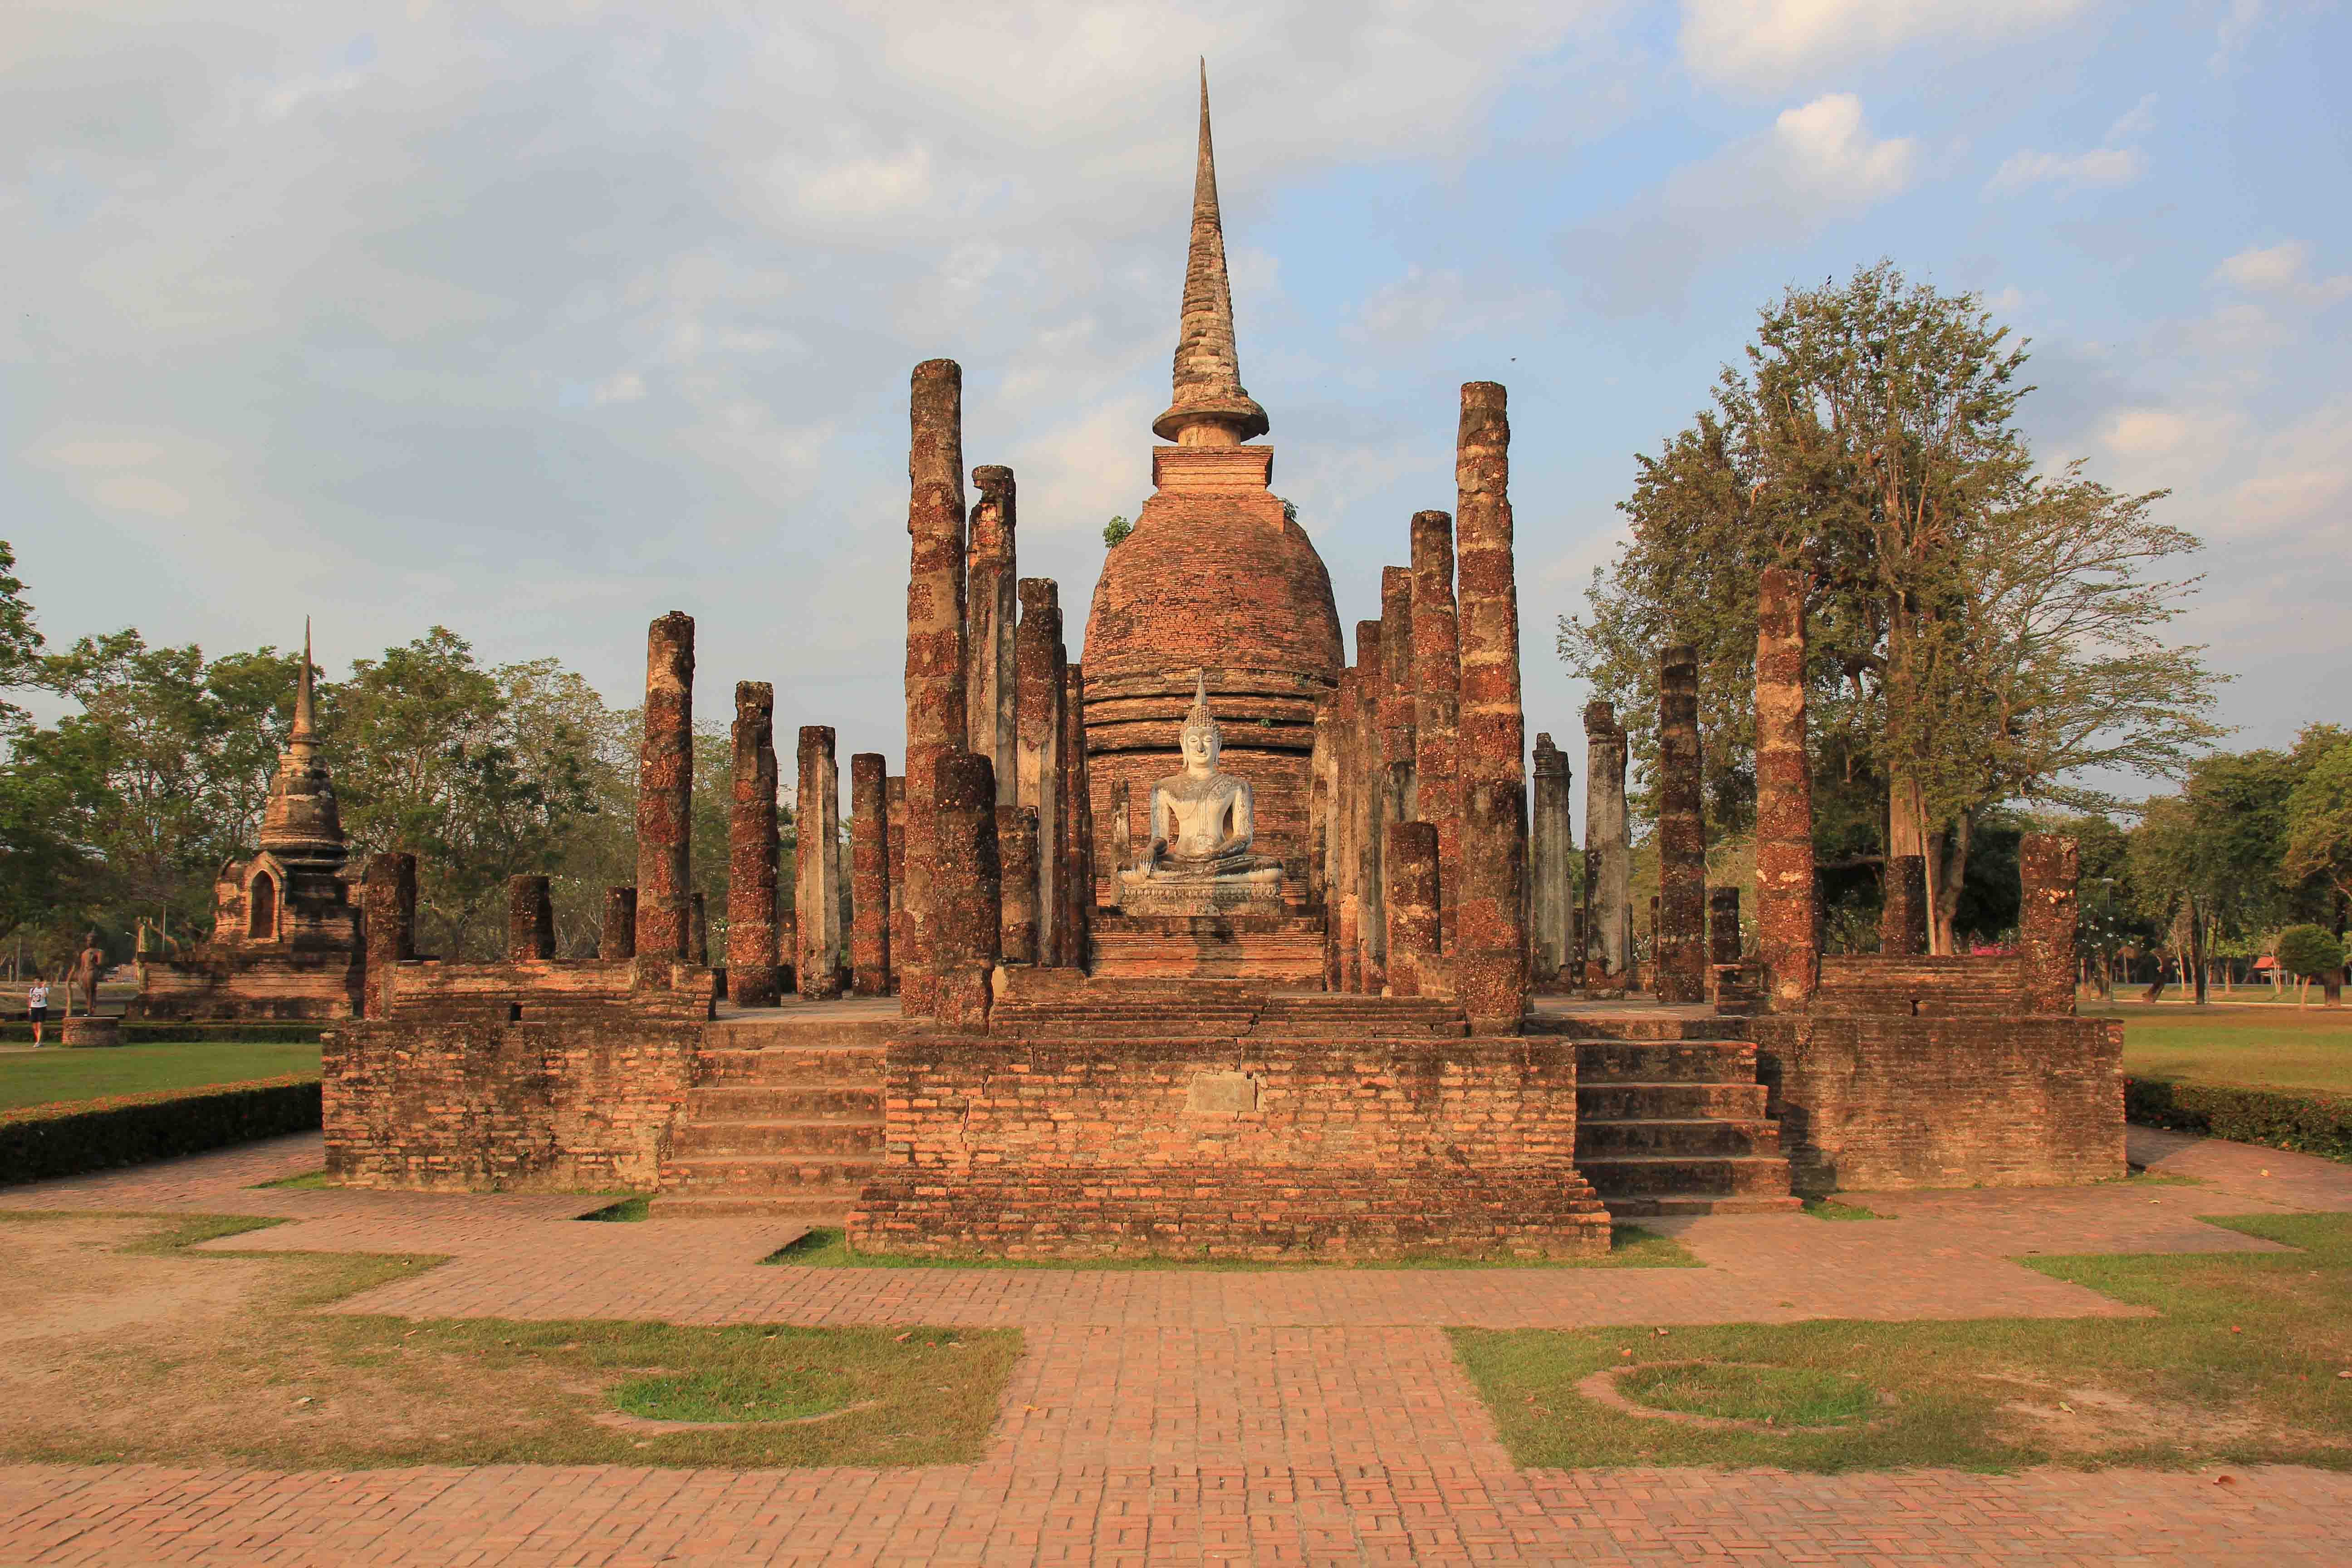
point(538, 321)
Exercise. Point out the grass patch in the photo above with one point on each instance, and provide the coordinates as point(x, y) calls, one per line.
point(2280, 1047)
point(221, 1357)
point(2239, 1365)
point(1781, 1395)
point(1829, 1208)
point(628, 1211)
point(308, 1182)
point(62, 1076)
point(1630, 1247)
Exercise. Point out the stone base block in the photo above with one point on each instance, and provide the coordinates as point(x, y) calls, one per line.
point(1282, 949)
point(89, 1031)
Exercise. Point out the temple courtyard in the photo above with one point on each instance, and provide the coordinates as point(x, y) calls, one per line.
point(1131, 1415)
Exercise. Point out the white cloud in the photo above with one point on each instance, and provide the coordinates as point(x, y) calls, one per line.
point(2274, 268)
point(2115, 161)
point(622, 386)
point(2301, 487)
point(1825, 148)
point(1772, 43)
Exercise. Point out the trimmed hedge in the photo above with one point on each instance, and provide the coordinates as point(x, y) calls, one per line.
point(136, 1033)
point(2303, 1122)
point(40, 1142)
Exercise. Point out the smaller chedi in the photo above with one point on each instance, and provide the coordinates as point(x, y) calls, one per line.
point(1203, 822)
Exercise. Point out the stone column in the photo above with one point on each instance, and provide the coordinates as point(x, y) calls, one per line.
point(1016, 856)
point(1723, 926)
point(698, 932)
point(1075, 922)
point(2048, 866)
point(1608, 847)
point(869, 875)
point(1397, 703)
point(1038, 674)
point(1785, 921)
point(970, 921)
point(666, 789)
point(388, 911)
point(1437, 701)
point(1319, 769)
point(935, 646)
point(1371, 809)
point(1351, 949)
point(1347, 801)
point(1412, 901)
point(896, 834)
point(1122, 831)
point(1682, 833)
point(618, 940)
point(530, 921)
point(816, 887)
point(753, 837)
point(989, 626)
point(1554, 838)
point(1490, 974)
point(1903, 922)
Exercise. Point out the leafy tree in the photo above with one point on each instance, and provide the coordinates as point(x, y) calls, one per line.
point(1114, 532)
point(2318, 826)
point(20, 640)
point(2312, 952)
point(1980, 634)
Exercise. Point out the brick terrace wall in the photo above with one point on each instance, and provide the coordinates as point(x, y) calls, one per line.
point(1894, 1101)
point(1261, 1149)
point(454, 1106)
point(324, 985)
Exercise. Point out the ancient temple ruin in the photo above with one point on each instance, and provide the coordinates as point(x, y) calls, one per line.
point(1221, 941)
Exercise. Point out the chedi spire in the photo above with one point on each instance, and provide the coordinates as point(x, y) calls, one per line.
point(1210, 408)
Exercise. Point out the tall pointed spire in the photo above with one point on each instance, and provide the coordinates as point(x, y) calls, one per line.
point(1210, 409)
point(303, 700)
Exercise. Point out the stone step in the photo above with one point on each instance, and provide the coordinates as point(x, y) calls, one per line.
point(783, 1066)
point(1666, 1175)
point(726, 1206)
point(765, 1174)
point(1636, 1027)
point(1682, 1061)
point(1674, 1205)
point(760, 1028)
point(1622, 1101)
point(808, 1101)
point(819, 1140)
point(1706, 1137)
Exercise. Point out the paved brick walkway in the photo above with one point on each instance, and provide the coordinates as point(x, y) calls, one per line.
point(1171, 1417)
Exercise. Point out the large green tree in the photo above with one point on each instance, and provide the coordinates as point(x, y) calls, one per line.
point(1981, 633)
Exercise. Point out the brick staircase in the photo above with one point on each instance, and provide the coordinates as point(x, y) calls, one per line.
point(785, 1119)
point(1670, 1117)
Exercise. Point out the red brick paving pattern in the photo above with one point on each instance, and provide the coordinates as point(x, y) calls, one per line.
point(1187, 1417)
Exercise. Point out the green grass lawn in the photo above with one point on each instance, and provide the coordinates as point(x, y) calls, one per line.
point(47, 1076)
point(2280, 1046)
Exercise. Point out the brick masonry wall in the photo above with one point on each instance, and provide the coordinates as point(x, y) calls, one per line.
point(1889, 1101)
point(324, 986)
point(1264, 1149)
point(454, 1106)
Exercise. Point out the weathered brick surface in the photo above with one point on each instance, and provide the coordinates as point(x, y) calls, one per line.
point(232, 986)
point(1787, 937)
point(1551, 837)
point(1414, 969)
point(1077, 879)
point(816, 885)
point(935, 647)
point(583, 1104)
point(388, 925)
point(2047, 866)
point(1607, 851)
point(1884, 1102)
point(1437, 703)
point(1723, 926)
point(1370, 768)
point(1491, 969)
point(896, 798)
point(990, 583)
point(1016, 854)
point(1039, 660)
point(753, 840)
point(968, 888)
point(665, 788)
point(870, 879)
point(1368, 1149)
point(530, 920)
point(1682, 835)
point(618, 939)
point(1903, 918)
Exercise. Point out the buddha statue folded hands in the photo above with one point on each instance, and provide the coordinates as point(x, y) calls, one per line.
point(1203, 822)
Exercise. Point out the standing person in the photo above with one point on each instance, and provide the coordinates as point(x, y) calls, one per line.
point(36, 1007)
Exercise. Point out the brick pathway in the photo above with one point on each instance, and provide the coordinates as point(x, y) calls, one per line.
point(1289, 1417)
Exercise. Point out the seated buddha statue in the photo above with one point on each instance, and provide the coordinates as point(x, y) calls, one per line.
point(1202, 821)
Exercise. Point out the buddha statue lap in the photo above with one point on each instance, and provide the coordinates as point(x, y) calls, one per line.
point(1203, 822)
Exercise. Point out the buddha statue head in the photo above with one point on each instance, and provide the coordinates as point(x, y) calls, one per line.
point(1200, 738)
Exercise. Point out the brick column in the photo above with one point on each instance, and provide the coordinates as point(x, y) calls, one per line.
point(870, 874)
point(666, 789)
point(1320, 763)
point(698, 932)
point(1075, 924)
point(618, 940)
point(1437, 703)
point(1346, 804)
point(1397, 718)
point(1371, 806)
point(1608, 849)
point(388, 914)
point(1902, 920)
point(1351, 949)
point(1682, 832)
point(989, 619)
point(970, 921)
point(935, 646)
point(753, 838)
point(530, 921)
point(1412, 901)
point(1017, 858)
point(1122, 831)
point(1038, 674)
point(1723, 926)
point(2048, 866)
point(1491, 968)
point(816, 886)
point(1785, 919)
point(1552, 839)
point(896, 834)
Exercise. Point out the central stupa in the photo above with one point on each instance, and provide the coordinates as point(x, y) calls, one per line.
point(1214, 580)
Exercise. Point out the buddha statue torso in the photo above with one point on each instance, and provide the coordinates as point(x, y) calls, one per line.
point(1202, 821)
